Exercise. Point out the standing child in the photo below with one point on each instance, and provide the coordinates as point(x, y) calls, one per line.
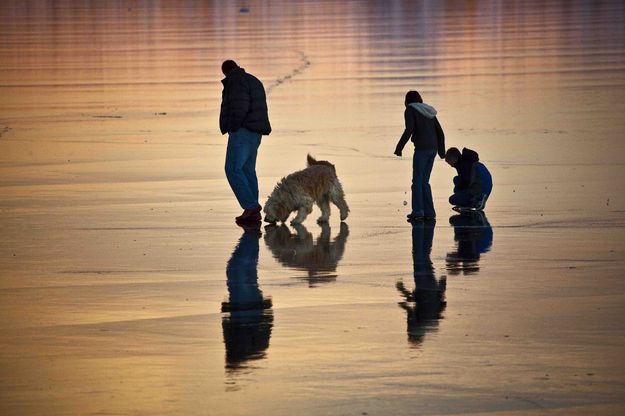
point(426, 133)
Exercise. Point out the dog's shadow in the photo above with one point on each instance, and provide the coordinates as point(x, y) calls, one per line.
point(319, 259)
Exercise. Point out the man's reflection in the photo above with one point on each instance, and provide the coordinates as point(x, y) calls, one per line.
point(474, 236)
point(298, 251)
point(248, 318)
point(425, 304)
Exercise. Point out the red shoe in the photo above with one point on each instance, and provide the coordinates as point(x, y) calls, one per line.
point(250, 215)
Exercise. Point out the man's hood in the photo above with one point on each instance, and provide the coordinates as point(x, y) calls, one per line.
point(425, 109)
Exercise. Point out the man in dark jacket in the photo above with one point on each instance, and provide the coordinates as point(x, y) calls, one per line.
point(474, 183)
point(244, 117)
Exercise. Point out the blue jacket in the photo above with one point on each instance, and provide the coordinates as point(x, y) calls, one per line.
point(472, 174)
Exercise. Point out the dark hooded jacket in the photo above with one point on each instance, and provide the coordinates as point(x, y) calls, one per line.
point(243, 104)
point(464, 166)
point(423, 128)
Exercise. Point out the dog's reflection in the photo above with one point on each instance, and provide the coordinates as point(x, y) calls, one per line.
point(318, 259)
point(248, 319)
point(474, 237)
point(425, 304)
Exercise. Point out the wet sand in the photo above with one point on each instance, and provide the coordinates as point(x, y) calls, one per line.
point(126, 288)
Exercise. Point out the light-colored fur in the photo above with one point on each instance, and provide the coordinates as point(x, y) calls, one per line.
point(298, 192)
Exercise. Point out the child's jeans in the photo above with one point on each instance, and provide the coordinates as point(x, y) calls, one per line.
point(422, 163)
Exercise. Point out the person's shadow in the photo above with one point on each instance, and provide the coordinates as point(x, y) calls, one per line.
point(319, 259)
point(424, 305)
point(473, 236)
point(247, 317)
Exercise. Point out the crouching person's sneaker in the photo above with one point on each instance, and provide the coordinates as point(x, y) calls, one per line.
point(250, 215)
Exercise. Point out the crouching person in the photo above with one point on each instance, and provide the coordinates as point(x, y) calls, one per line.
point(473, 184)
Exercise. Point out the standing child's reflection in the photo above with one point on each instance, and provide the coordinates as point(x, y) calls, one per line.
point(425, 304)
point(474, 237)
point(248, 318)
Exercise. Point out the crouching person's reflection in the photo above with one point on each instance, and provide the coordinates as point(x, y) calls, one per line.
point(247, 318)
point(319, 259)
point(425, 304)
point(474, 237)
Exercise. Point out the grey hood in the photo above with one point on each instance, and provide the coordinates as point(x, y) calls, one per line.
point(425, 109)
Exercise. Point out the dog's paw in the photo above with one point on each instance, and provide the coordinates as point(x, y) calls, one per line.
point(322, 220)
point(295, 221)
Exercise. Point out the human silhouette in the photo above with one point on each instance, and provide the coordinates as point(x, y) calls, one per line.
point(425, 304)
point(426, 133)
point(247, 316)
point(319, 259)
point(473, 184)
point(244, 116)
point(473, 236)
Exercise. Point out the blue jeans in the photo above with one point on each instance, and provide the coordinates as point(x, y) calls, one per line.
point(241, 166)
point(422, 162)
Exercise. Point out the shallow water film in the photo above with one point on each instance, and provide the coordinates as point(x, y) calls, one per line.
point(127, 288)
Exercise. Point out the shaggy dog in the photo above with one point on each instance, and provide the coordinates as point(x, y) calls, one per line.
point(317, 183)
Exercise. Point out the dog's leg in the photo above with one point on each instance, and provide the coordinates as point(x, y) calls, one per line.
point(302, 212)
point(324, 205)
point(337, 196)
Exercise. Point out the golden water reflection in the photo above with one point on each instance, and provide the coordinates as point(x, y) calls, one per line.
point(116, 217)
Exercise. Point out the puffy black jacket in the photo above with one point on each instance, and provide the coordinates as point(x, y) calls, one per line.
point(424, 131)
point(243, 104)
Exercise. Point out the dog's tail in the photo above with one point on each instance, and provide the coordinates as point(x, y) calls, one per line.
point(312, 161)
